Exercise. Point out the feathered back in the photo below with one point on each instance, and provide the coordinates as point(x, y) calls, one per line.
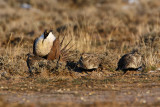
point(89, 61)
point(129, 61)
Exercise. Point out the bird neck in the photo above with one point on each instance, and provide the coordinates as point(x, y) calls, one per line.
point(50, 37)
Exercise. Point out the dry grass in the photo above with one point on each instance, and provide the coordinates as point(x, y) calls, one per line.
point(108, 28)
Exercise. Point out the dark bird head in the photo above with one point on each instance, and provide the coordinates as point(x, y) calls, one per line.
point(135, 51)
point(46, 33)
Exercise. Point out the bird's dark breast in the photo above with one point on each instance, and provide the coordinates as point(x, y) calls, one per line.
point(55, 50)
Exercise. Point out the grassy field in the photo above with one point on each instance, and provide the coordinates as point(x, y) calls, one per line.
point(109, 28)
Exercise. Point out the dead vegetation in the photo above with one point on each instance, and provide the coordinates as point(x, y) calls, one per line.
point(108, 28)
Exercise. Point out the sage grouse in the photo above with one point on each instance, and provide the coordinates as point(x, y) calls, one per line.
point(89, 61)
point(130, 62)
point(48, 46)
point(43, 44)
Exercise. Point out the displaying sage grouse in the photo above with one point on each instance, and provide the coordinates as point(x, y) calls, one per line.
point(130, 62)
point(89, 61)
point(48, 46)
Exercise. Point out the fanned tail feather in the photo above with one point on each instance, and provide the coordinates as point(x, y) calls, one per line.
point(62, 40)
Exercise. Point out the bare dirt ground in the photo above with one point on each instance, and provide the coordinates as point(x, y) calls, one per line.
point(108, 28)
point(129, 90)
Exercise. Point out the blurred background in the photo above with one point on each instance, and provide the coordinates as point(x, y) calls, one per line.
point(110, 28)
point(116, 26)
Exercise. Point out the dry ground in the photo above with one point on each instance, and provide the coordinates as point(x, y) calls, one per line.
point(109, 28)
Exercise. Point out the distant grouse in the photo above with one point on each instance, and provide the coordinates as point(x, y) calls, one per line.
point(89, 61)
point(130, 62)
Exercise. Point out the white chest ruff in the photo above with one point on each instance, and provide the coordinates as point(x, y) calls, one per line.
point(43, 46)
point(42, 49)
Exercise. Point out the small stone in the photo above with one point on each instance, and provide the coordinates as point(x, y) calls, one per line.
point(68, 89)
point(143, 101)
point(76, 92)
point(158, 98)
point(148, 92)
point(91, 93)
point(82, 99)
point(60, 90)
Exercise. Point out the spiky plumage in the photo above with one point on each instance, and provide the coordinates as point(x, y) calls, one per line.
point(49, 47)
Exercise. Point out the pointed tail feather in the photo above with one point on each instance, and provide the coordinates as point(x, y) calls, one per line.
point(62, 40)
point(67, 56)
point(67, 50)
point(66, 46)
